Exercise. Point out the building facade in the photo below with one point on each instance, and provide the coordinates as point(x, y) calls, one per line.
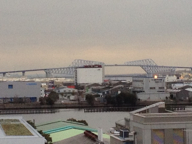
point(149, 89)
point(155, 125)
point(89, 74)
point(15, 130)
point(19, 90)
point(148, 85)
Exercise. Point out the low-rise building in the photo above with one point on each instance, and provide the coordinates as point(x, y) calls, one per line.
point(15, 130)
point(149, 89)
point(23, 90)
point(65, 89)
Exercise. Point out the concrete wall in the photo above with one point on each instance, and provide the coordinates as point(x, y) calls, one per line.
point(139, 135)
point(152, 96)
point(23, 140)
point(36, 138)
point(168, 135)
point(146, 84)
point(20, 89)
point(115, 141)
point(188, 136)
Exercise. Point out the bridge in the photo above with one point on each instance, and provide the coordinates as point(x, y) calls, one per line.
point(148, 65)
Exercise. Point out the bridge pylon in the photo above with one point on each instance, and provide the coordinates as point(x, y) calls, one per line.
point(48, 74)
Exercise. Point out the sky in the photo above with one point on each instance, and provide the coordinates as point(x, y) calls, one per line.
point(53, 33)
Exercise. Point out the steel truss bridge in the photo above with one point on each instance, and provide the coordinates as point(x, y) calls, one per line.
point(148, 65)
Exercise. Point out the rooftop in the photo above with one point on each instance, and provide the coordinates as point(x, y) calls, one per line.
point(16, 127)
point(65, 131)
point(62, 125)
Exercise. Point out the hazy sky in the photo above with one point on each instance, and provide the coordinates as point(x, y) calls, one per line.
point(52, 33)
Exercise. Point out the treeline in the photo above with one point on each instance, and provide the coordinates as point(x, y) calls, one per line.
point(118, 100)
point(122, 98)
point(79, 121)
point(50, 99)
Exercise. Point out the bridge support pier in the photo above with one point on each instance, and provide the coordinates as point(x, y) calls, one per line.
point(4, 74)
point(23, 73)
point(48, 74)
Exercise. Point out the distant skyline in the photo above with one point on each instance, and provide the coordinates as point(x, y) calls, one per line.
point(47, 33)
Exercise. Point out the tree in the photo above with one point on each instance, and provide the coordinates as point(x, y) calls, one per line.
point(119, 99)
point(46, 136)
point(129, 98)
point(54, 96)
point(50, 101)
point(79, 121)
point(122, 98)
point(90, 99)
point(32, 124)
point(42, 100)
point(110, 100)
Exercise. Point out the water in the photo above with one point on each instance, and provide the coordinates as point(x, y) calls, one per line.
point(105, 120)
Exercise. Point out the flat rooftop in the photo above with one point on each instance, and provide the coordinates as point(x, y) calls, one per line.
point(68, 131)
point(175, 117)
point(16, 127)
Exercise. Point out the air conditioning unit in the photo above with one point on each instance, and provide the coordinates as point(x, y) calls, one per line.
point(124, 133)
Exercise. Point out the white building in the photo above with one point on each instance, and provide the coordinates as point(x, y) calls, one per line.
point(65, 89)
point(42, 92)
point(89, 74)
point(155, 125)
point(170, 78)
point(15, 130)
point(66, 93)
point(150, 89)
point(19, 89)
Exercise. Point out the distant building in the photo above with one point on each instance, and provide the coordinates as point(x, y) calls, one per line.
point(42, 92)
point(150, 89)
point(171, 78)
point(65, 89)
point(89, 74)
point(66, 93)
point(20, 90)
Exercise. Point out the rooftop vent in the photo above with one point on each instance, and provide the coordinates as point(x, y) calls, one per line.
point(124, 133)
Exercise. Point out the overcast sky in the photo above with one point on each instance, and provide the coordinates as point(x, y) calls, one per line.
point(52, 33)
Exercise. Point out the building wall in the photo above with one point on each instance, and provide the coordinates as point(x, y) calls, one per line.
point(148, 85)
point(89, 75)
point(21, 140)
point(115, 141)
point(183, 95)
point(145, 131)
point(20, 89)
point(153, 96)
point(139, 135)
point(36, 138)
point(65, 90)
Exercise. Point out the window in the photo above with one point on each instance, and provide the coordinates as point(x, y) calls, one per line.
point(10, 86)
point(158, 136)
point(158, 80)
point(138, 88)
point(178, 136)
point(152, 87)
point(137, 80)
point(161, 87)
